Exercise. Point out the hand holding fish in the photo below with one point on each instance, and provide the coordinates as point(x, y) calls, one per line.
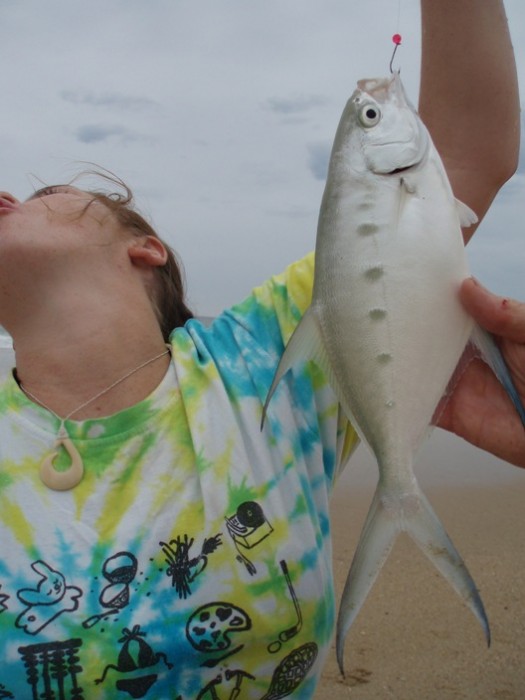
point(479, 410)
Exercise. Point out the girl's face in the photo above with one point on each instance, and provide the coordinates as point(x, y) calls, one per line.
point(53, 223)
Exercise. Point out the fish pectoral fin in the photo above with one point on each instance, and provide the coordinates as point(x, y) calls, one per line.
point(482, 346)
point(389, 515)
point(466, 216)
point(305, 344)
point(491, 354)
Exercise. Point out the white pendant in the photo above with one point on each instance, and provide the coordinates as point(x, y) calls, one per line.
point(62, 480)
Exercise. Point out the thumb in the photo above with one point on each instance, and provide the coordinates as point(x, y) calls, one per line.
point(499, 315)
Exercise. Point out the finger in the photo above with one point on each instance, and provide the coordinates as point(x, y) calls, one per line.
point(500, 315)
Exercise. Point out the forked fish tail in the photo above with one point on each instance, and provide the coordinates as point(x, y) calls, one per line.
point(388, 516)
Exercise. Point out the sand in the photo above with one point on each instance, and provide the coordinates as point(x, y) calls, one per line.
point(415, 639)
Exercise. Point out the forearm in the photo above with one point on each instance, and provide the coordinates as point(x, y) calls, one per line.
point(469, 95)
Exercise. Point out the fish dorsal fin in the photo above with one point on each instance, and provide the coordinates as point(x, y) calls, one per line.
point(466, 216)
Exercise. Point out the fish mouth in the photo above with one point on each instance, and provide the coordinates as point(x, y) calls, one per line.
point(403, 169)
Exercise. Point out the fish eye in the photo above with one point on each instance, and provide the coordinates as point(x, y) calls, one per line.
point(369, 115)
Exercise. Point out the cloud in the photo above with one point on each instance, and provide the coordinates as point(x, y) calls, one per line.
point(96, 133)
point(294, 105)
point(124, 102)
point(318, 158)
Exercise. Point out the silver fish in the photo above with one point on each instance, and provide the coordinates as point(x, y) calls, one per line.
point(385, 323)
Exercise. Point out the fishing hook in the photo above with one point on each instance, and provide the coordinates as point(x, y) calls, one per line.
point(397, 41)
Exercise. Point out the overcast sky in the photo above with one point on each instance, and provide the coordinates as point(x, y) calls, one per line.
point(220, 116)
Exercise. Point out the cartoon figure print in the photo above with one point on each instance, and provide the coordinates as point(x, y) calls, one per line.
point(51, 597)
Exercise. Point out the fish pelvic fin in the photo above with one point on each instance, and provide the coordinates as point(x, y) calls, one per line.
point(304, 344)
point(388, 516)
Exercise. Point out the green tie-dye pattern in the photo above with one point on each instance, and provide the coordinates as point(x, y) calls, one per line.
point(185, 506)
point(5, 479)
point(240, 492)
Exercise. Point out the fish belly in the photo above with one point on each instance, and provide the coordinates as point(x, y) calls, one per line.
point(387, 276)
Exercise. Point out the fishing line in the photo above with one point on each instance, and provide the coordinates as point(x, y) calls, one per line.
point(398, 24)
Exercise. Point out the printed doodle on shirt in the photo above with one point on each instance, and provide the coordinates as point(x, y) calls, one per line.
point(138, 666)
point(209, 628)
point(52, 670)
point(216, 689)
point(120, 570)
point(51, 597)
point(182, 568)
point(292, 671)
point(247, 527)
point(294, 629)
point(3, 600)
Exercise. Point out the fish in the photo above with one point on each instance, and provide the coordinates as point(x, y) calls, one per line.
point(385, 323)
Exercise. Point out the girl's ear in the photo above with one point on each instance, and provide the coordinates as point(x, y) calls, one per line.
point(148, 251)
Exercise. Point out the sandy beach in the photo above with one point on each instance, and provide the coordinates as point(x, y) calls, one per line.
point(415, 639)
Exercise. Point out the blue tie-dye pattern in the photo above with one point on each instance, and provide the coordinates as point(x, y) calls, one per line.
point(224, 373)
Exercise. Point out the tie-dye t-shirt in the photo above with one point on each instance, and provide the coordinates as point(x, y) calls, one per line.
point(193, 561)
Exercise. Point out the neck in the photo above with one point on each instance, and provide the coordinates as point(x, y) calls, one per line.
point(66, 364)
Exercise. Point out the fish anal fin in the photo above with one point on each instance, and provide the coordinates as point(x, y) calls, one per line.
point(388, 516)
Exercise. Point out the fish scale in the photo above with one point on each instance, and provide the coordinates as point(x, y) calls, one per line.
point(386, 324)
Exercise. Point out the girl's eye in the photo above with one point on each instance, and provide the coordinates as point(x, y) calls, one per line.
point(45, 191)
point(50, 189)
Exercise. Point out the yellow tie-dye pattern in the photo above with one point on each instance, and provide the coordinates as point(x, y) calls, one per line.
point(133, 477)
point(15, 519)
point(180, 480)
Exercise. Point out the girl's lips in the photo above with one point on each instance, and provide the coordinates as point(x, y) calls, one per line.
point(6, 205)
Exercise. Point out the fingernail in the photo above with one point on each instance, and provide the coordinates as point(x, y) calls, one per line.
point(478, 284)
